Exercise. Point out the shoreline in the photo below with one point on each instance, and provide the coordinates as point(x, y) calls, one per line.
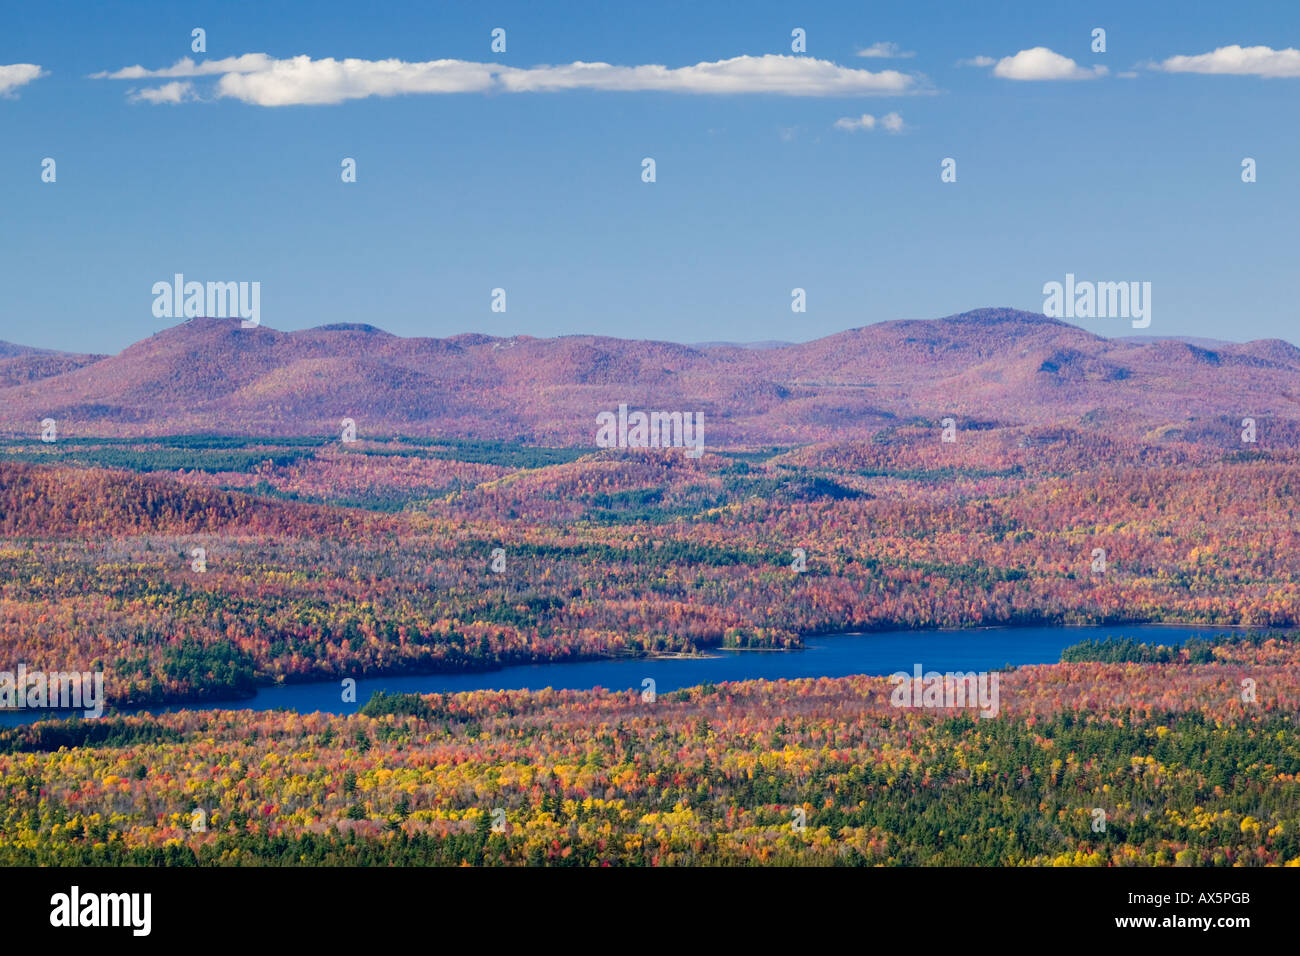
point(712, 654)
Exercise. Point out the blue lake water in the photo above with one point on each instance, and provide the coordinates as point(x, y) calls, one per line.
point(838, 655)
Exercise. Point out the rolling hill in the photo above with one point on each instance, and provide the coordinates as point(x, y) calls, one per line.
point(990, 366)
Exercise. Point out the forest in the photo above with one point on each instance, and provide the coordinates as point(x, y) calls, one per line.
point(196, 568)
point(321, 560)
point(1088, 764)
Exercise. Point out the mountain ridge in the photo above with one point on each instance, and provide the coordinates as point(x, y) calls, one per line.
point(994, 364)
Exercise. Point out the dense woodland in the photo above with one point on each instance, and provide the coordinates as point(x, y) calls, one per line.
point(1184, 770)
point(330, 561)
point(382, 564)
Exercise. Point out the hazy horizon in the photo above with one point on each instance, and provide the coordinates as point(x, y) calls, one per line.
point(708, 343)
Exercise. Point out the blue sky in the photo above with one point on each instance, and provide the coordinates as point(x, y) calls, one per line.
point(1113, 178)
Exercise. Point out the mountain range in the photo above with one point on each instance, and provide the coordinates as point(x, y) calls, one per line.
point(992, 367)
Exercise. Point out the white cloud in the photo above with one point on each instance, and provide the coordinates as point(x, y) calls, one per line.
point(886, 50)
point(248, 63)
point(848, 123)
point(891, 122)
point(175, 92)
point(977, 61)
point(304, 81)
point(1237, 61)
point(787, 75)
point(1040, 63)
point(266, 81)
point(18, 74)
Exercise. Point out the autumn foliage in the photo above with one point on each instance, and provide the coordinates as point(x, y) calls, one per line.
point(1184, 770)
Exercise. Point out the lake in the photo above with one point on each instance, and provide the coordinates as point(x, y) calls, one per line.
point(836, 655)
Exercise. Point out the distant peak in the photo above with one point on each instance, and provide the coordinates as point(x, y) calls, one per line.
point(1001, 314)
point(350, 327)
point(765, 344)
